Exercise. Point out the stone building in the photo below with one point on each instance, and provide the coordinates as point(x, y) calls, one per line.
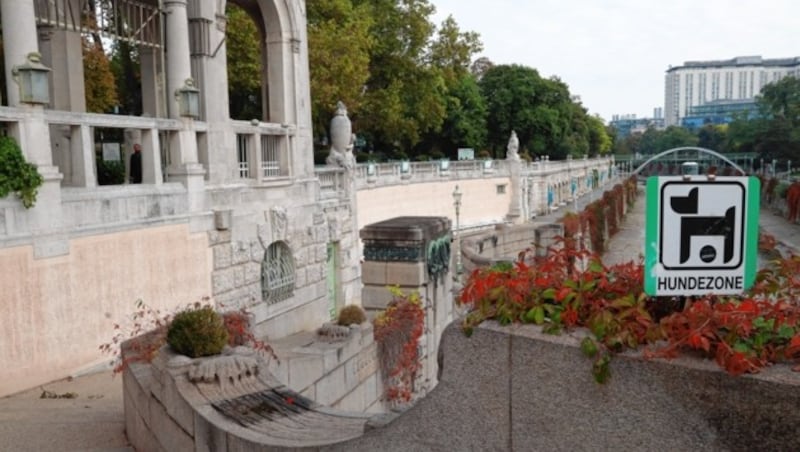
point(227, 209)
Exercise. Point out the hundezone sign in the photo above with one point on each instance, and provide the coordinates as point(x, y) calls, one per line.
point(701, 235)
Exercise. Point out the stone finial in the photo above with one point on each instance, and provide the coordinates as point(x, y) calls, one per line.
point(341, 132)
point(513, 147)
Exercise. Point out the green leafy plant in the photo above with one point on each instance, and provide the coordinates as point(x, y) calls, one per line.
point(146, 333)
point(17, 175)
point(351, 315)
point(397, 331)
point(570, 288)
point(110, 172)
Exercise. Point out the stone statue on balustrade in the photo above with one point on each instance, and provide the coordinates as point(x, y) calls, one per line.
point(342, 140)
point(512, 150)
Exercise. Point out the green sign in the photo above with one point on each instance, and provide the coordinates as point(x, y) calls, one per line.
point(701, 235)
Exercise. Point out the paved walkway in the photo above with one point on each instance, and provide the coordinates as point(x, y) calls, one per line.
point(94, 419)
point(628, 243)
point(91, 421)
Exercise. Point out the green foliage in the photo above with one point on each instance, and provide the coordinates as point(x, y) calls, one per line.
point(110, 172)
point(126, 65)
point(339, 45)
point(197, 332)
point(243, 46)
point(541, 111)
point(17, 175)
point(352, 315)
point(98, 80)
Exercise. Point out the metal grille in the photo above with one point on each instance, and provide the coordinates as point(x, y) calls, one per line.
point(270, 156)
point(242, 146)
point(127, 20)
point(277, 273)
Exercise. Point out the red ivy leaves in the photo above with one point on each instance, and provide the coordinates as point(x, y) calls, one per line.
point(398, 331)
point(570, 287)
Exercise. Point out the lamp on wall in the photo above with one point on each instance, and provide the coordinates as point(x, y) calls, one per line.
point(31, 76)
point(188, 99)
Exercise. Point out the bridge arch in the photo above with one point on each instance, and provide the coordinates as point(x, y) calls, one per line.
point(689, 148)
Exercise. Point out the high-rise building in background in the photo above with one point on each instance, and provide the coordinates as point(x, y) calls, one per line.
point(701, 92)
point(630, 124)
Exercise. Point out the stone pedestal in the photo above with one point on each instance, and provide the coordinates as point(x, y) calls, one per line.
point(413, 253)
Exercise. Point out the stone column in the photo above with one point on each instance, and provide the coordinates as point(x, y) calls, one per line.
point(19, 39)
point(209, 57)
point(62, 52)
point(184, 166)
point(32, 133)
point(413, 253)
point(152, 82)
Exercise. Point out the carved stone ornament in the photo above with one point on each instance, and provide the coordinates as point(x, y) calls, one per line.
point(513, 147)
point(225, 369)
point(279, 223)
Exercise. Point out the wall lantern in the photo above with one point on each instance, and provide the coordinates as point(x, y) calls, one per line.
point(188, 99)
point(31, 76)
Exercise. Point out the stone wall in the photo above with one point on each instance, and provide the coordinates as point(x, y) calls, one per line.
point(505, 242)
point(503, 388)
point(58, 310)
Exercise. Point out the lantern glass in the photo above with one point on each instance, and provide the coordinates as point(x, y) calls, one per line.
point(189, 100)
point(32, 77)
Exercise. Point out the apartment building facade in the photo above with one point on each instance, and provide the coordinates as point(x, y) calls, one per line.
point(707, 83)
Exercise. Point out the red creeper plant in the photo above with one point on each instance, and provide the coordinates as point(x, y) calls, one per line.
point(146, 333)
point(397, 331)
point(558, 295)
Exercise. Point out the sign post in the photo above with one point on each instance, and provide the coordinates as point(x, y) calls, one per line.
point(701, 235)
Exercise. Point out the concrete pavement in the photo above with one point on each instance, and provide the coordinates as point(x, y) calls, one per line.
point(91, 421)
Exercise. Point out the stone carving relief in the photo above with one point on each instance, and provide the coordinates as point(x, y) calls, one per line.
point(279, 223)
point(334, 229)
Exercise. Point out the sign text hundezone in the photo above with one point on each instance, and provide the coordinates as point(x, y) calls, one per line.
point(701, 235)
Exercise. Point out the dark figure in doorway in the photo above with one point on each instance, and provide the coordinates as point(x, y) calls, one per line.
point(136, 164)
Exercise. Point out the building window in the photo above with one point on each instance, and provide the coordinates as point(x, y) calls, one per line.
point(277, 273)
point(501, 189)
point(270, 156)
point(242, 150)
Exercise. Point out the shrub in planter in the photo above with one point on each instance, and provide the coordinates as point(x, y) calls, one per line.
point(352, 315)
point(197, 332)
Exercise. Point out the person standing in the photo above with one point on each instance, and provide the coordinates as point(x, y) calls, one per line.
point(136, 164)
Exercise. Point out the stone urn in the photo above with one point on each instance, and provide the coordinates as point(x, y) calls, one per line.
point(341, 129)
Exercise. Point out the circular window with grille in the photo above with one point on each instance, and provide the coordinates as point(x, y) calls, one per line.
point(277, 273)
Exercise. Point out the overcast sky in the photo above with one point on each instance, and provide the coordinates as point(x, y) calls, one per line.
point(614, 53)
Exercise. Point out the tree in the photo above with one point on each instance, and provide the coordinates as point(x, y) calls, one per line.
point(244, 65)
point(98, 79)
point(779, 104)
point(339, 53)
point(539, 110)
point(127, 72)
point(453, 50)
point(480, 67)
point(714, 137)
point(404, 97)
point(675, 137)
point(599, 139)
point(465, 121)
point(465, 110)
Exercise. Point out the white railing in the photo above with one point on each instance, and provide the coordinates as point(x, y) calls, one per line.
point(265, 148)
point(332, 182)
